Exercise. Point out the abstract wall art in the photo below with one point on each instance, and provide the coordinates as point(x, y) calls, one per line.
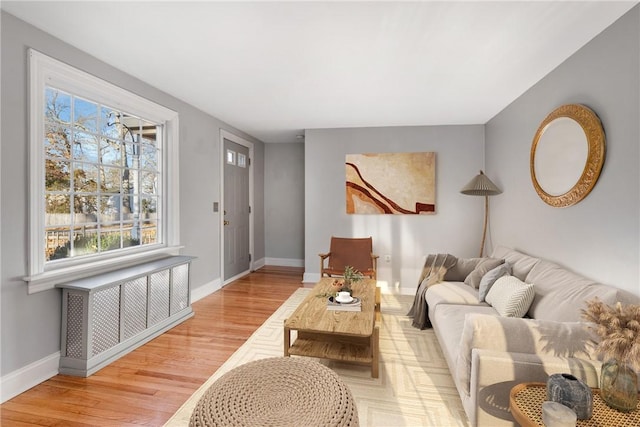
point(391, 183)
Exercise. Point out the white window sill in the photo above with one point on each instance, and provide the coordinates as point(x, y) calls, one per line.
point(49, 279)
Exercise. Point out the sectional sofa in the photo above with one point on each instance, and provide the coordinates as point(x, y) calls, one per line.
point(487, 352)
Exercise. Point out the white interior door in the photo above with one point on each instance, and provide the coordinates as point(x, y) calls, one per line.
point(236, 211)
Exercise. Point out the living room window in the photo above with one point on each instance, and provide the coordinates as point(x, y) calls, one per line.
point(103, 175)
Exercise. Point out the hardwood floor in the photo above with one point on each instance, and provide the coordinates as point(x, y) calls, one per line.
point(148, 385)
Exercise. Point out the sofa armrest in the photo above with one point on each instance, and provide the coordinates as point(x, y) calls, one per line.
point(508, 334)
point(494, 373)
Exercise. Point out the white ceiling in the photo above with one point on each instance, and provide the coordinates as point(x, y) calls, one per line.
point(273, 69)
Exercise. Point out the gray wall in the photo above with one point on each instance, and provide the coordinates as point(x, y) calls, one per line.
point(455, 228)
point(598, 237)
point(284, 203)
point(30, 324)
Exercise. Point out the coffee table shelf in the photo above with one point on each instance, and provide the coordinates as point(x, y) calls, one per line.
point(330, 348)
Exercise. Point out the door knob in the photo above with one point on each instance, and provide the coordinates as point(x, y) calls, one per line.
point(225, 222)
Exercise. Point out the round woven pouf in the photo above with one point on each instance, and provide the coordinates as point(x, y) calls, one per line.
point(280, 391)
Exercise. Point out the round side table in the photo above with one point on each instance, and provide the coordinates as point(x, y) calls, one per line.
point(526, 407)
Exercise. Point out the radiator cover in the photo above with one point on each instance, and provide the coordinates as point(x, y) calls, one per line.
point(108, 315)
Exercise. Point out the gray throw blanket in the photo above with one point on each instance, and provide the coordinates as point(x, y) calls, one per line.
point(435, 267)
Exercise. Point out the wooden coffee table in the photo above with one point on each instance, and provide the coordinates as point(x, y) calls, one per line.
point(346, 336)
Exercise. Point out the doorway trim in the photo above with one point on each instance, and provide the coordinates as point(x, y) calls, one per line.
point(238, 140)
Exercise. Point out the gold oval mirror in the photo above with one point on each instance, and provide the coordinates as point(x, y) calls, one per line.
point(567, 155)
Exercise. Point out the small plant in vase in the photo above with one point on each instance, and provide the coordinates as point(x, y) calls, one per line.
point(351, 275)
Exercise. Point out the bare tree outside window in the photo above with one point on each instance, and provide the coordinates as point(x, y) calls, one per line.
point(101, 177)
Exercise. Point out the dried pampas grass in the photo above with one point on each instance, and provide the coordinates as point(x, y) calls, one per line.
point(619, 330)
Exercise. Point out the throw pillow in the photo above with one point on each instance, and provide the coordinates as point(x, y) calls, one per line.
point(461, 269)
point(473, 279)
point(510, 296)
point(490, 278)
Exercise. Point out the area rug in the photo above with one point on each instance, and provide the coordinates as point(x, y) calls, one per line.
point(414, 387)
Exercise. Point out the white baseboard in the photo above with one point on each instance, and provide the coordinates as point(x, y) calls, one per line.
point(28, 376)
point(259, 263)
point(285, 262)
point(311, 277)
point(204, 290)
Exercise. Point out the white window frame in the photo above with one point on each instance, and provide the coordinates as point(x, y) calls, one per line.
point(46, 71)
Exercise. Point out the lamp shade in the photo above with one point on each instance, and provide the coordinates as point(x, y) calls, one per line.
point(480, 185)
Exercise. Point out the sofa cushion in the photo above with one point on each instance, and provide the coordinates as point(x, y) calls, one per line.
point(555, 284)
point(626, 297)
point(461, 269)
point(473, 279)
point(451, 293)
point(510, 296)
point(521, 264)
point(490, 278)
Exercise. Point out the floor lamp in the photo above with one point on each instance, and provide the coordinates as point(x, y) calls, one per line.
point(480, 185)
